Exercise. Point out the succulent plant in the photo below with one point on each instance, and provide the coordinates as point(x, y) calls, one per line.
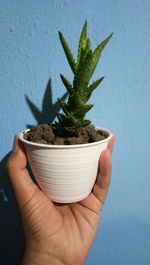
point(79, 92)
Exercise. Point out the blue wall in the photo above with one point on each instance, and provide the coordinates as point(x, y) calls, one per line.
point(30, 54)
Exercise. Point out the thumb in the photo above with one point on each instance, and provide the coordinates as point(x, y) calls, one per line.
point(23, 186)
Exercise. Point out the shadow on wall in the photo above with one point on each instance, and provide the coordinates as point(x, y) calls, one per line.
point(49, 110)
point(11, 233)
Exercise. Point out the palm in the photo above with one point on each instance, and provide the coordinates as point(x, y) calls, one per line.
point(63, 225)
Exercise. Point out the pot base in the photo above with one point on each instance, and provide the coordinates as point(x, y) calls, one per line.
point(66, 201)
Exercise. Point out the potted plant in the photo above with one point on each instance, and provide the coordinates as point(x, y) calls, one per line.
point(64, 156)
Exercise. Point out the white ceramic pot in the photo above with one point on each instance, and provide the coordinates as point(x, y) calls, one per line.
point(66, 173)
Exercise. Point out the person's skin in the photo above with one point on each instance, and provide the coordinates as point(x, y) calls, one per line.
point(57, 234)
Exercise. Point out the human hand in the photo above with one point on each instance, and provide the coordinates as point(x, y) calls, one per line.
point(55, 233)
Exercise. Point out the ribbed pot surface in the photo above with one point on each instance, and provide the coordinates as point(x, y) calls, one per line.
point(65, 173)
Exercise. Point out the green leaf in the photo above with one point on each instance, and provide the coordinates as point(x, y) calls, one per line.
point(68, 121)
point(82, 75)
point(67, 84)
point(102, 45)
point(92, 87)
point(95, 84)
point(97, 53)
point(82, 41)
point(87, 67)
point(60, 117)
point(68, 52)
point(88, 107)
point(88, 46)
point(75, 102)
point(85, 123)
point(63, 106)
point(82, 112)
point(84, 53)
point(69, 131)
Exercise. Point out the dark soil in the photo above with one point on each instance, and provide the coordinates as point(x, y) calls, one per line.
point(44, 134)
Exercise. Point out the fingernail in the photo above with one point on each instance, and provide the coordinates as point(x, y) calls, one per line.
point(15, 145)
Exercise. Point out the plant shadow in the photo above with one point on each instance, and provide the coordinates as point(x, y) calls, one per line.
point(11, 231)
point(49, 109)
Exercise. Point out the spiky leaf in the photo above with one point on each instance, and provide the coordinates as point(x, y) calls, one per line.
point(97, 53)
point(85, 123)
point(68, 52)
point(60, 117)
point(93, 86)
point(82, 76)
point(67, 84)
point(63, 106)
point(88, 65)
point(82, 111)
point(82, 41)
point(88, 46)
point(75, 102)
point(84, 53)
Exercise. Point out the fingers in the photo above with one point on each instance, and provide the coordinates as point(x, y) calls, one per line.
point(111, 143)
point(104, 176)
point(23, 186)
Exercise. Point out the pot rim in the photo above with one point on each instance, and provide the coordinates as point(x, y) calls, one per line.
point(50, 146)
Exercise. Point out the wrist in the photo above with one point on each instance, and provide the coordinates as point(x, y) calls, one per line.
point(37, 253)
point(33, 257)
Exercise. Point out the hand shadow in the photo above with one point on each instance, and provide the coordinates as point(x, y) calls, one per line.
point(11, 232)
